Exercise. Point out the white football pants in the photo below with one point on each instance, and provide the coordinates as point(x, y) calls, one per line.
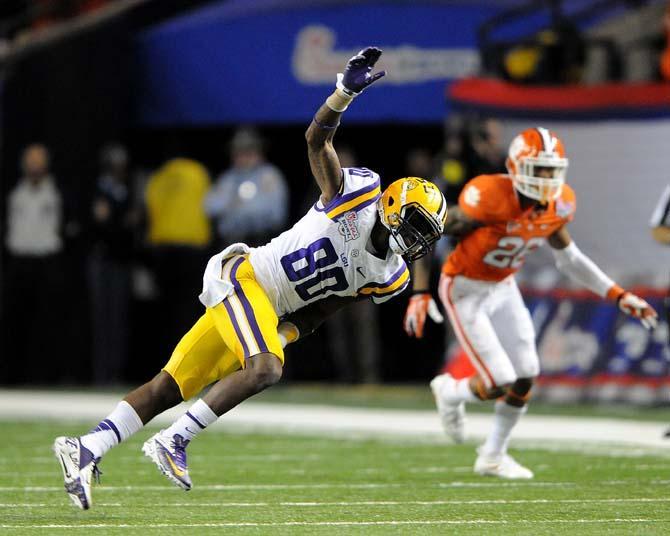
point(493, 326)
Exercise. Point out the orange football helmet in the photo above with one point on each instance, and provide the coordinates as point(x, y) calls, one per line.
point(532, 149)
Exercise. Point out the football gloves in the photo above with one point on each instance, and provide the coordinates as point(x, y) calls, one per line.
point(636, 307)
point(357, 74)
point(419, 306)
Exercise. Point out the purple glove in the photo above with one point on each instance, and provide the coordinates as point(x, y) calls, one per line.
point(356, 76)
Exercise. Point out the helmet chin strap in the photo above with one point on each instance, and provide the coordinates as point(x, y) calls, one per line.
point(395, 245)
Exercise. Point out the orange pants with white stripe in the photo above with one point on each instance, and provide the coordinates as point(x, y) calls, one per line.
point(493, 326)
point(243, 325)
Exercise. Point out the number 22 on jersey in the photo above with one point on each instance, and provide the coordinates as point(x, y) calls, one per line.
point(511, 251)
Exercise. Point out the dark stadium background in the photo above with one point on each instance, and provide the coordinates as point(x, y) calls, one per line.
point(76, 93)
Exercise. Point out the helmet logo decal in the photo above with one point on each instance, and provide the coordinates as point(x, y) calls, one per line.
point(348, 226)
point(548, 141)
point(472, 196)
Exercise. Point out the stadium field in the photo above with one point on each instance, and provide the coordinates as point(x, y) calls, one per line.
point(249, 483)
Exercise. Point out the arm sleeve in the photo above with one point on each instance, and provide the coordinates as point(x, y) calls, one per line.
point(394, 283)
point(360, 187)
point(386, 297)
point(661, 215)
point(573, 263)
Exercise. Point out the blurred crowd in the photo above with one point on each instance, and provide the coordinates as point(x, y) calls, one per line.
point(148, 237)
point(628, 48)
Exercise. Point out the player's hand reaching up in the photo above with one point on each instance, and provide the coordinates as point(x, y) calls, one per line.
point(636, 307)
point(419, 306)
point(358, 73)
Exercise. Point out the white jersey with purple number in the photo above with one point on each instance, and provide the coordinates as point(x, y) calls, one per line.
point(324, 253)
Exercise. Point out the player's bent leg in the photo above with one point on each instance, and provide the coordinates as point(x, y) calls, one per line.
point(450, 396)
point(167, 449)
point(493, 459)
point(155, 396)
point(245, 323)
point(79, 456)
point(261, 371)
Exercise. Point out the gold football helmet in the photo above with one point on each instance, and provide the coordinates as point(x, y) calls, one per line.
point(414, 211)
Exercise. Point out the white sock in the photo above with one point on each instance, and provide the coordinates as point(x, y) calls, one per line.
point(458, 392)
point(120, 424)
point(195, 420)
point(504, 421)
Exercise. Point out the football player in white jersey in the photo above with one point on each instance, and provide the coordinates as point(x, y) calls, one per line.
point(352, 244)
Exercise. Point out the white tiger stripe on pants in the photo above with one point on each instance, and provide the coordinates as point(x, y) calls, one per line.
point(494, 327)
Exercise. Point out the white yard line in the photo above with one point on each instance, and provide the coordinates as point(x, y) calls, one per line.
point(339, 523)
point(550, 431)
point(366, 503)
point(338, 485)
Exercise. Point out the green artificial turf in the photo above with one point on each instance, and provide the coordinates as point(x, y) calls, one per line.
point(295, 485)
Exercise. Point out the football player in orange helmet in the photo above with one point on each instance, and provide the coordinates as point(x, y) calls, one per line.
point(499, 220)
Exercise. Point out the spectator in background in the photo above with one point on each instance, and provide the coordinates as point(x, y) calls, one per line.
point(113, 221)
point(487, 154)
point(32, 315)
point(250, 200)
point(178, 235)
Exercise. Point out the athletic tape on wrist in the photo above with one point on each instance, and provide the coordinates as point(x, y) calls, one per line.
point(339, 101)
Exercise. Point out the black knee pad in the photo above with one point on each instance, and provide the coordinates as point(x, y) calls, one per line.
point(522, 386)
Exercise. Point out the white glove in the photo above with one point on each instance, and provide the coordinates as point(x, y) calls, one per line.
point(636, 307)
point(418, 307)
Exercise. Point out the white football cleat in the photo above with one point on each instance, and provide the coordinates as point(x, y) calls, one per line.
point(503, 466)
point(79, 468)
point(451, 415)
point(169, 455)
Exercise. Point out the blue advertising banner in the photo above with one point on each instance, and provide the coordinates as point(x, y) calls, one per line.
point(276, 61)
point(590, 351)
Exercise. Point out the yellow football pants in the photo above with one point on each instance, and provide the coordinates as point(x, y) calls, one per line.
point(243, 325)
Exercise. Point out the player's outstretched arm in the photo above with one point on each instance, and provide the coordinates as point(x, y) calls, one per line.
point(573, 263)
point(323, 159)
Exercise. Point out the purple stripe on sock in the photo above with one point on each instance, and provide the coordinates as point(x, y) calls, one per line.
point(196, 421)
point(248, 310)
point(236, 327)
point(113, 427)
point(100, 428)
